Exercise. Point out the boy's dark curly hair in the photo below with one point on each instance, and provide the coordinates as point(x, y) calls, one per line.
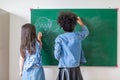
point(67, 20)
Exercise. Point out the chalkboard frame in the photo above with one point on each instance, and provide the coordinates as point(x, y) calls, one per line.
point(104, 19)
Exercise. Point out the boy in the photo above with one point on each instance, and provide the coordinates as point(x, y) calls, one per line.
point(68, 47)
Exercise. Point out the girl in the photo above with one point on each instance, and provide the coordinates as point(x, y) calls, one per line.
point(30, 57)
point(68, 47)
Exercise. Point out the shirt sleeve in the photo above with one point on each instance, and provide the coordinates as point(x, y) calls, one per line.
point(84, 33)
point(57, 48)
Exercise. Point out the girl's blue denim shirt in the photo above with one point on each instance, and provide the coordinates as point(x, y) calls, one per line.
point(34, 60)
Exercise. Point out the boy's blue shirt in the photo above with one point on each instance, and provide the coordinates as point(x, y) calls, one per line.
point(68, 48)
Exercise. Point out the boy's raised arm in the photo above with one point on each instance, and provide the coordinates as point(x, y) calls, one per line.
point(84, 33)
point(79, 21)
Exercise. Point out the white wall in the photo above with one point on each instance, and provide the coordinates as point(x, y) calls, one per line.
point(20, 14)
point(4, 45)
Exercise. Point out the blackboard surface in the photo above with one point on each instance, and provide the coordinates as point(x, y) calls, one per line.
point(100, 46)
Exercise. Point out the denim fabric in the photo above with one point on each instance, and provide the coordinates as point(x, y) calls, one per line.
point(68, 48)
point(32, 69)
point(34, 59)
point(34, 74)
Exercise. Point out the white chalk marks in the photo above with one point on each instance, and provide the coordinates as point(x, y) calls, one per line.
point(46, 25)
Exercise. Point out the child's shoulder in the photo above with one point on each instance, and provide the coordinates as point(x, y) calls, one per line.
point(37, 43)
point(59, 37)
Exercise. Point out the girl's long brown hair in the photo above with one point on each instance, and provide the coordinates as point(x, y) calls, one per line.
point(28, 39)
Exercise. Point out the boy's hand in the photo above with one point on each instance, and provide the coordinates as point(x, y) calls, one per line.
point(79, 21)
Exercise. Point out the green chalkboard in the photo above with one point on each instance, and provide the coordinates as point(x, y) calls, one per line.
point(100, 46)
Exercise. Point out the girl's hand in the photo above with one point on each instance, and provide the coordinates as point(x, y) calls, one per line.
point(39, 36)
point(20, 74)
point(79, 21)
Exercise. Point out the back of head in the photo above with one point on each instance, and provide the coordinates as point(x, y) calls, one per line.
point(28, 37)
point(67, 20)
